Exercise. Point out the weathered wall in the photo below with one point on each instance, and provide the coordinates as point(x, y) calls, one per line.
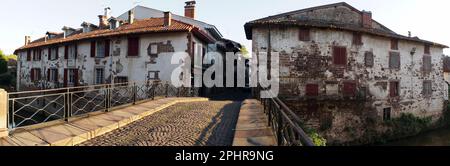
point(118, 64)
point(311, 62)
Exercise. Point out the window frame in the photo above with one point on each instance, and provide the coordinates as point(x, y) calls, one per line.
point(394, 92)
point(394, 44)
point(392, 65)
point(337, 57)
point(134, 45)
point(304, 34)
point(387, 114)
point(312, 90)
point(96, 76)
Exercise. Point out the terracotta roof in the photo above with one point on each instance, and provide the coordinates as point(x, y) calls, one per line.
point(150, 25)
point(284, 19)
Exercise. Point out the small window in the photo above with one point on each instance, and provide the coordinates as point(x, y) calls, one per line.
point(52, 75)
point(349, 89)
point(387, 114)
point(28, 55)
point(100, 49)
point(312, 90)
point(394, 60)
point(394, 44)
point(53, 53)
point(394, 89)
point(72, 52)
point(72, 77)
point(368, 58)
point(153, 75)
point(133, 46)
point(357, 39)
point(35, 74)
point(99, 76)
point(37, 55)
point(304, 34)
point(119, 80)
point(339, 55)
point(427, 63)
point(427, 49)
point(427, 88)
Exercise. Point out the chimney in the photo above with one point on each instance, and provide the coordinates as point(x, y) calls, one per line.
point(131, 17)
point(189, 9)
point(367, 19)
point(108, 12)
point(103, 22)
point(27, 40)
point(167, 19)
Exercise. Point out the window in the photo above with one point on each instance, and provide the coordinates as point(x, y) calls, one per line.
point(52, 75)
point(394, 44)
point(53, 53)
point(427, 90)
point(153, 50)
point(99, 76)
point(427, 49)
point(35, 74)
point(349, 89)
point(133, 46)
point(304, 34)
point(37, 55)
point(387, 114)
point(427, 63)
point(394, 89)
point(357, 39)
point(70, 52)
point(394, 60)
point(28, 55)
point(153, 75)
point(100, 49)
point(368, 58)
point(339, 55)
point(119, 80)
point(70, 77)
point(312, 90)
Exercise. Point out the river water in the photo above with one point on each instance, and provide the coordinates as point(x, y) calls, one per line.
point(440, 137)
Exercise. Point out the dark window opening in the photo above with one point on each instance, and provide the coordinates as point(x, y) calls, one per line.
point(427, 63)
point(349, 89)
point(368, 59)
point(427, 88)
point(357, 39)
point(394, 44)
point(387, 114)
point(394, 89)
point(133, 46)
point(394, 60)
point(427, 49)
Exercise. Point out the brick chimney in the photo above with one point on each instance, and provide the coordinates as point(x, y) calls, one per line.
point(27, 40)
point(167, 18)
point(131, 17)
point(189, 9)
point(366, 19)
point(103, 22)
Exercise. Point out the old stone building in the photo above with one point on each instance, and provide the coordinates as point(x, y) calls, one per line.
point(136, 46)
point(346, 74)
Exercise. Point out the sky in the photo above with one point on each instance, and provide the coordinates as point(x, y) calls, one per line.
point(426, 19)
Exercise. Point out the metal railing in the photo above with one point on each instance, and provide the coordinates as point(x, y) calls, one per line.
point(284, 122)
point(35, 107)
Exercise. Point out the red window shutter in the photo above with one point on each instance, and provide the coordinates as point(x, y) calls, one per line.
point(48, 75)
point(357, 38)
point(349, 89)
point(66, 52)
point(312, 90)
point(93, 49)
point(107, 47)
point(76, 51)
point(133, 46)
point(427, 49)
point(29, 55)
point(32, 74)
point(393, 89)
point(339, 55)
point(49, 53)
point(66, 73)
point(75, 72)
point(57, 52)
point(394, 44)
point(304, 34)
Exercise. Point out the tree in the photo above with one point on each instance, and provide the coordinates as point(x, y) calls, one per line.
point(3, 63)
point(245, 52)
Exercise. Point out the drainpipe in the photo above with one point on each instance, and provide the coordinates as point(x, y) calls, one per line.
point(269, 52)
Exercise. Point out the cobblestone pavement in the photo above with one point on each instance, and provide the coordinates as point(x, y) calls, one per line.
point(187, 124)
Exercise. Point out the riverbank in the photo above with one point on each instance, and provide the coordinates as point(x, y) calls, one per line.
point(438, 137)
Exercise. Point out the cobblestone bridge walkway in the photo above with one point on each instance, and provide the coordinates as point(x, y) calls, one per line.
point(187, 124)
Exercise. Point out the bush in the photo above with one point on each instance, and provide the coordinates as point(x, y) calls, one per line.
point(408, 125)
point(6, 80)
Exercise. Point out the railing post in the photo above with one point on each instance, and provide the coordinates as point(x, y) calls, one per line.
point(134, 93)
point(279, 127)
point(3, 113)
point(67, 105)
point(108, 97)
point(167, 90)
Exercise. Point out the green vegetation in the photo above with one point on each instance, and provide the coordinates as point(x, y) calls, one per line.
point(6, 79)
point(408, 125)
point(315, 136)
point(245, 52)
